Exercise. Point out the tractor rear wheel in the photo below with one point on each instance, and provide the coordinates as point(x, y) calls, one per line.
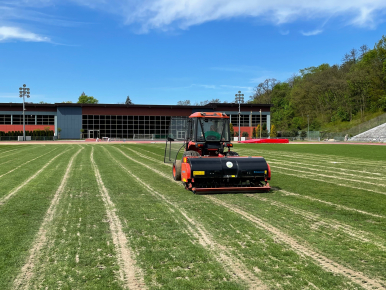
point(177, 170)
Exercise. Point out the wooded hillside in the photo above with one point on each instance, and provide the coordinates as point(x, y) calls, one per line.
point(332, 95)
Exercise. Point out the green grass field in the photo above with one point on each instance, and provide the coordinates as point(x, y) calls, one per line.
point(111, 216)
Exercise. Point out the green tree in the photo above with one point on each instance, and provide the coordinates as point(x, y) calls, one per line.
point(84, 99)
point(231, 130)
point(184, 103)
point(128, 101)
point(258, 131)
point(273, 132)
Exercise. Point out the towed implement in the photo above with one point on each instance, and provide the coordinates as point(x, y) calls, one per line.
point(204, 161)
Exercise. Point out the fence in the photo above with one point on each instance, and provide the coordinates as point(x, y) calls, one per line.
point(365, 126)
point(33, 138)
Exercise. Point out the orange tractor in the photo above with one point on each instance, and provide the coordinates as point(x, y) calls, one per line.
point(207, 164)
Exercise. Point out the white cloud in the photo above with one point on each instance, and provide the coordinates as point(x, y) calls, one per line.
point(166, 14)
point(15, 33)
point(311, 33)
point(171, 14)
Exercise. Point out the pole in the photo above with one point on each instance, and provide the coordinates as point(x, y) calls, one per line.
point(239, 99)
point(250, 126)
point(308, 134)
point(23, 118)
point(239, 122)
point(23, 92)
point(260, 124)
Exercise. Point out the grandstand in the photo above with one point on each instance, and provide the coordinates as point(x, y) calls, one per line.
point(376, 134)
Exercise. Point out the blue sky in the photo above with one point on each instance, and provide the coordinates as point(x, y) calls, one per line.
point(163, 51)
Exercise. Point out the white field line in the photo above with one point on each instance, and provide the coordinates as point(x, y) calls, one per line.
point(330, 176)
point(329, 265)
point(23, 280)
point(3, 152)
point(322, 159)
point(338, 206)
point(147, 157)
point(129, 272)
point(6, 162)
point(329, 169)
point(231, 264)
point(314, 199)
point(156, 154)
point(291, 167)
point(27, 163)
point(358, 235)
point(17, 149)
point(13, 192)
point(326, 181)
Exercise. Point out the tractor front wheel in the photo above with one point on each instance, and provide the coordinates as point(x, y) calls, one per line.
point(177, 170)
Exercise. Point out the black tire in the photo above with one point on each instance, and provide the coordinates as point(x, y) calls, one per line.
point(190, 153)
point(232, 153)
point(177, 170)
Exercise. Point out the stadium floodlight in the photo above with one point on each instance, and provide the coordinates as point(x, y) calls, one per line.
point(24, 92)
point(239, 99)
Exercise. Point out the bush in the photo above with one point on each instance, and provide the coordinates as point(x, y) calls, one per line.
point(245, 134)
point(264, 134)
point(273, 132)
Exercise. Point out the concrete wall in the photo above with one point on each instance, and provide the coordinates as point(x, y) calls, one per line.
point(70, 121)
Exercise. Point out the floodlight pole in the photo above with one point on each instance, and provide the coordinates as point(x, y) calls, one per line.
point(239, 99)
point(260, 124)
point(23, 92)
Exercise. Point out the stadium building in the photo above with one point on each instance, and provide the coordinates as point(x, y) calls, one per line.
point(119, 120)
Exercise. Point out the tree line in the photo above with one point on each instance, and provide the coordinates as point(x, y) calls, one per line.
point(47, 132)
point(328, 95)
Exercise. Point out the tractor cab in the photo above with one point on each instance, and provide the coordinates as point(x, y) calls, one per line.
point(208, 133)
point(202, 134)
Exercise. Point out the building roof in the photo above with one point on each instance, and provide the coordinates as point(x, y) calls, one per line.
point(210, 105)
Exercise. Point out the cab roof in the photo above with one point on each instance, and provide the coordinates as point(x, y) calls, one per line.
point(209, 115)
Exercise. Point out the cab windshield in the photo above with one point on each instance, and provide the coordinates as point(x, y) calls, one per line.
point(213, 129)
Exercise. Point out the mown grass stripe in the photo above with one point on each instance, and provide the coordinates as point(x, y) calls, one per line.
point(13, 192)
point(129, 272)
point(327, 176)
point(327, 181)
point(363, 175)
point(315, 158)
point(26, 162)
point(316, 219)
point(221, 254)
point(24, 278)
point(19, 151)
point(337, 206)
point(21, 217)
point(80, 229)
point(327, 264)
